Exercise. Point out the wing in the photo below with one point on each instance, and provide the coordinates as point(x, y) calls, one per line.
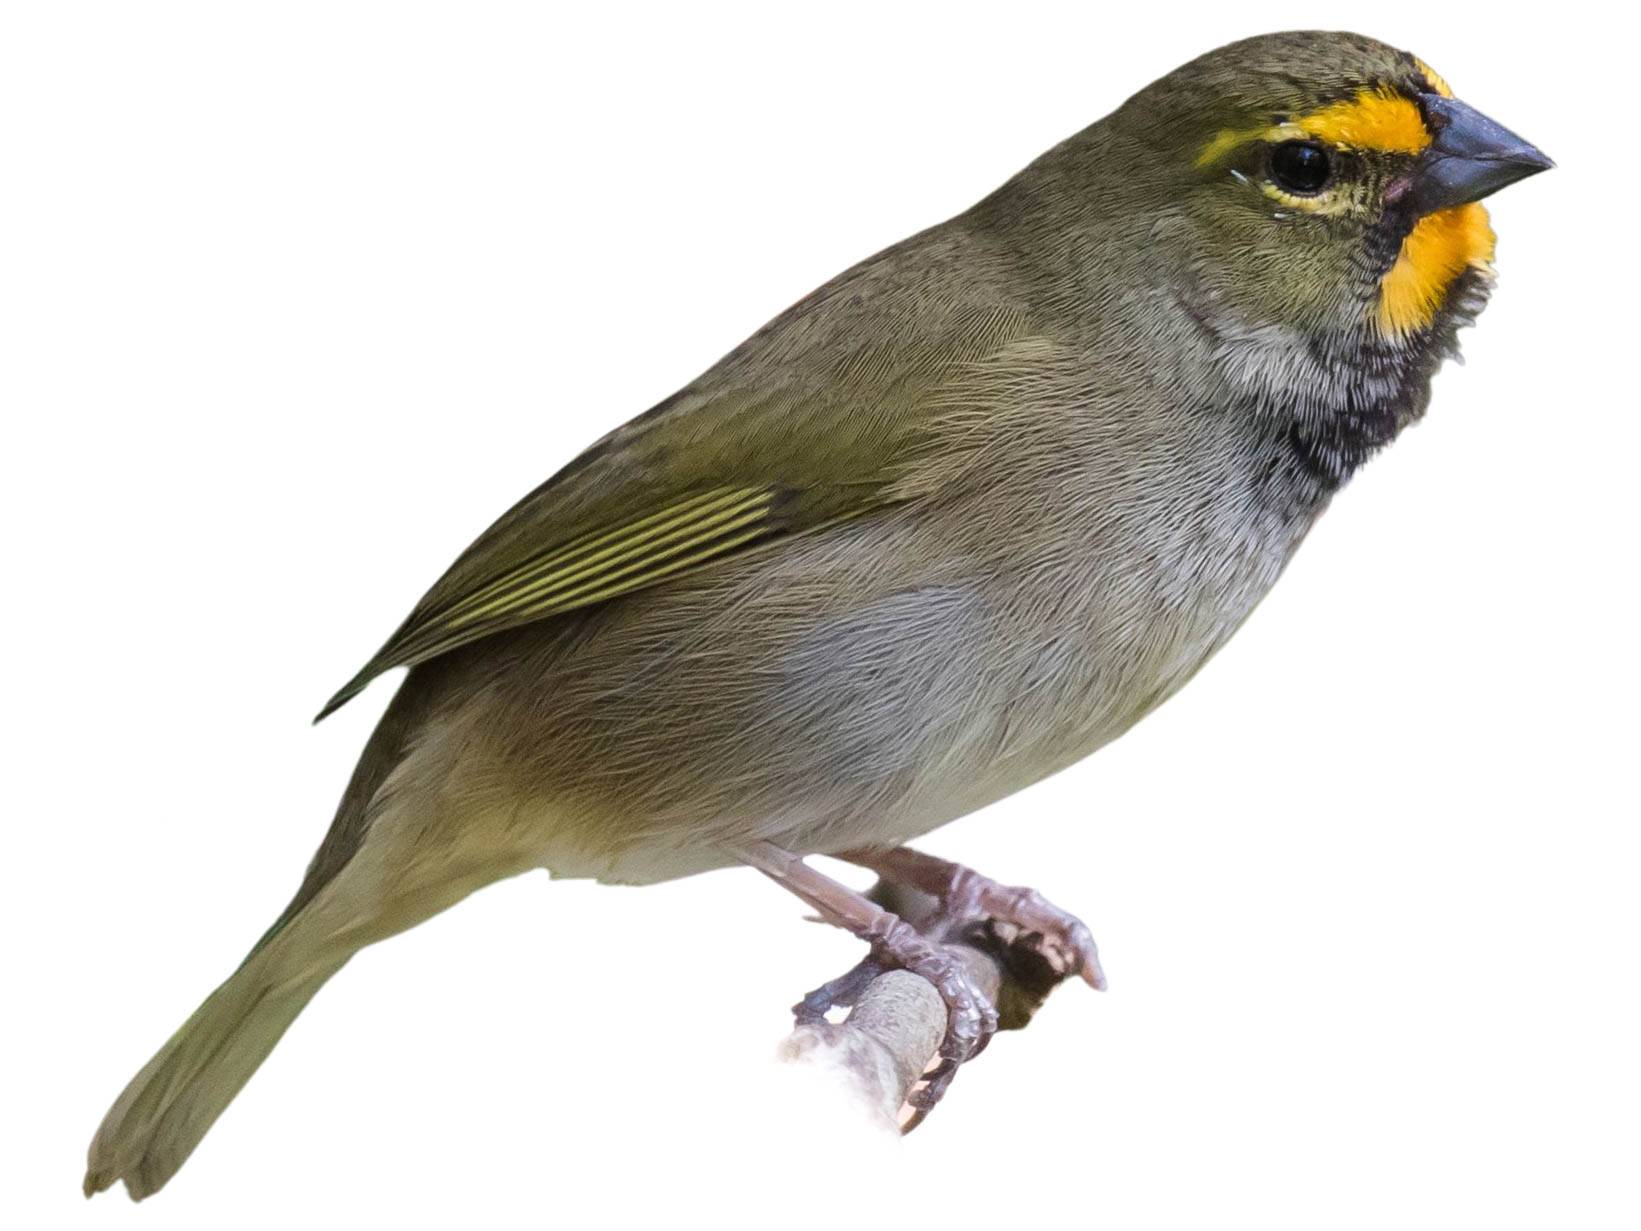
point(766, 445)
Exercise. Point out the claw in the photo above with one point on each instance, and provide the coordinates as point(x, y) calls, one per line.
point(1065, 938)
point(1076, 951)
point(966, 895)
point(924, 1099)
point(839, 993)
point(971, 1021)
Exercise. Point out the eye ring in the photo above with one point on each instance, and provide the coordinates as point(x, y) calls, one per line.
point(1300, 167)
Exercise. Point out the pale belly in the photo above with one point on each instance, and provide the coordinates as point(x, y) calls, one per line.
point(866, 735)
point(805, 701)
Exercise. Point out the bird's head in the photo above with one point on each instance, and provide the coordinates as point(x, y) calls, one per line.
point(1311, 202)
point(1331, 182)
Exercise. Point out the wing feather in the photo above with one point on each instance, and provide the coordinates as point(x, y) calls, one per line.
point(746, 455)
point(594, 569)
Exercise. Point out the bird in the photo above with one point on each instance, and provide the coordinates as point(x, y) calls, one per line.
point(943, 528)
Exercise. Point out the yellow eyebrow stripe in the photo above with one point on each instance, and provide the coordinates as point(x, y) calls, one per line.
point(1228, 139)
point(1437, 82)
point(1380, 120)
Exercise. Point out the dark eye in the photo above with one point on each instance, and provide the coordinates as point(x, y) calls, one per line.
point(1299, 166)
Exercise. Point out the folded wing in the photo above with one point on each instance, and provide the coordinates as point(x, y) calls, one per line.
point(720, 469)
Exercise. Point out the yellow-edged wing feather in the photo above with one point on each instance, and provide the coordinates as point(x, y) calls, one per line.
point(724, 466)
point(591, 568)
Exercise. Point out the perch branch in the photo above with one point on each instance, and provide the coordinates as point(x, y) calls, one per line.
point(882, 1049)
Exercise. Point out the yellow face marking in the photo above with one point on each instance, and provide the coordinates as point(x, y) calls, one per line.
point(1435, 79)
point(1227, 140)
point(1379, 120)
point(1440, 247)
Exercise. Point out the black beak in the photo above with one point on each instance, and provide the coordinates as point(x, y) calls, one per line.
point(1471, 157)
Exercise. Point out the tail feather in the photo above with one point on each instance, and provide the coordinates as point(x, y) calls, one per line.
point(155, 1124)
point(168, 1107)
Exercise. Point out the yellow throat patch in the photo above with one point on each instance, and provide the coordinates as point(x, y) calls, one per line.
point(1440, 247)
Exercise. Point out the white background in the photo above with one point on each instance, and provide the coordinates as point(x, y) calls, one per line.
point(297, 297)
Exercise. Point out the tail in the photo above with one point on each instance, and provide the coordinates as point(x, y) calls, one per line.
point(338, 910)
point(155, 1124)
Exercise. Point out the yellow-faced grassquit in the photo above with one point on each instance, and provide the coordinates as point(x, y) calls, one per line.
point(952, 522)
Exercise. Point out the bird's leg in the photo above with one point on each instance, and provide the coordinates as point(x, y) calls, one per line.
point(965, 896)
point(970, 1017)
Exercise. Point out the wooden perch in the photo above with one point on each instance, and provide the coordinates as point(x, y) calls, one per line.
point(882, 1049)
